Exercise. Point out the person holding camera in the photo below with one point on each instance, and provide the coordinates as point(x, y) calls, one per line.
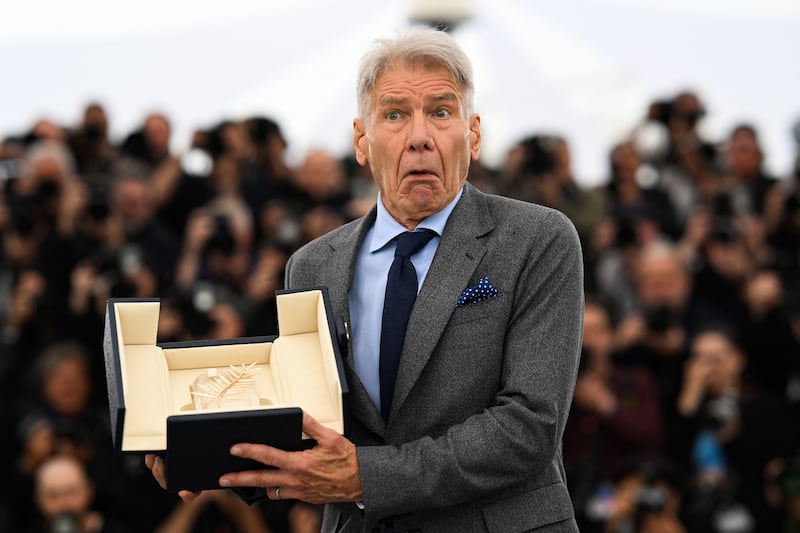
point(615, 416)
point(645, 499)
point(655, 332)
point(65, 500)
point(726, 432)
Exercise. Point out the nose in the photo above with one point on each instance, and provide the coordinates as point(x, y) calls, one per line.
point(420, 139)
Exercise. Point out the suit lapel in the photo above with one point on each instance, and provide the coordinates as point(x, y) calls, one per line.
point(459, 253)
point(341, 268)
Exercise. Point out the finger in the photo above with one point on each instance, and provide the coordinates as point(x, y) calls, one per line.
point(252, 478)
point(314, 429)
point(148, 460)
point(262, 453)
point(187, 495)
point(158, 471)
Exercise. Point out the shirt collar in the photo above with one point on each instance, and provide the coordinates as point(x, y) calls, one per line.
point(387, 228)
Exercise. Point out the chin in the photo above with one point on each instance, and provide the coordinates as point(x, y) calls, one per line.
point(425, 203)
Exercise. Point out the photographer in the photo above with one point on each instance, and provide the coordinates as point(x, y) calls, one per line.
point(646, 499)
point(217, 246)
point(687, 165)
point(56, 416)
point(730, 286)
point(539, 169)
point(132, 220)
point(149, 144)
point(202, 311)
point(655, 333)
point(725, 432)
point(64, 497)
point(95, 155)
point(615, 416)
point(745, 176)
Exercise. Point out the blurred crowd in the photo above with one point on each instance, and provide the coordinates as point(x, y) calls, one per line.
point(686, 406)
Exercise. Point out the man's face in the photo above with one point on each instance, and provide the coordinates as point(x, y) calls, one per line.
point(744, 156)
point(63, 488)
point(662, 281)
point(417, 140)
point(67, 387)
point(723, 361)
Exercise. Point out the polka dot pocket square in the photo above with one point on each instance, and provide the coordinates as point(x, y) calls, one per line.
point(477, 293)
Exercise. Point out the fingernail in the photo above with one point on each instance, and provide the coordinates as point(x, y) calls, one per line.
point(236, 450)
point(224, 482)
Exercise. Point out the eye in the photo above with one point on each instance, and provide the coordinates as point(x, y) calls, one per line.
point(441, 113)
point(393, 115)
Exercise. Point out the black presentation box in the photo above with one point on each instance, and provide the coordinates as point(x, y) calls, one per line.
point(191, 401)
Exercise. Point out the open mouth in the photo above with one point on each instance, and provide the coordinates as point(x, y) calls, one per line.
point(420, 172)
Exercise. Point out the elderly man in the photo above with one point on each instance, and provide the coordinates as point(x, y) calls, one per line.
point(64, 496)
point(456, 419)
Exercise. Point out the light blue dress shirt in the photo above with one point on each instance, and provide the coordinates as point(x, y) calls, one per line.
point(369, 287)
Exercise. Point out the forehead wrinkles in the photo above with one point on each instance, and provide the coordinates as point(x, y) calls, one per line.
point(404, 83)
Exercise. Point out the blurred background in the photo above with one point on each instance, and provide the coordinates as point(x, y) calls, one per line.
point(183, 150)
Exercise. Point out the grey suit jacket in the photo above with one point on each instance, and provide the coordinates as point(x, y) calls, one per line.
point(473, 442)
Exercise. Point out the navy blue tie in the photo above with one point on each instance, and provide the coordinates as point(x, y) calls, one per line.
point(401, 292)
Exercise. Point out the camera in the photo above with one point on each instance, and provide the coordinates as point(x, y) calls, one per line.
point(723, 212)
point(661, 111)
point(650, 499)
point(48, 189)
point(116, 266)
point(194, 306)
point(660, 319)
point(720, 411)
point(540, 156)
point(23, 216)
point(222, 240)
point(65, 523)
point(98, 208)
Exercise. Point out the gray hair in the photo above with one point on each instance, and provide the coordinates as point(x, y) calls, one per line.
point(52, 150)
point(419, 46)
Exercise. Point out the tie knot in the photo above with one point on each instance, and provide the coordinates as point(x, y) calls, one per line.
point(411, 242)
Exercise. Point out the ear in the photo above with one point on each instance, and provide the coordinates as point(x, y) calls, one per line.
point(360, 141)
point(475, 136)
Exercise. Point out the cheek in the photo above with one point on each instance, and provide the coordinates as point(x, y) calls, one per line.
point(459, 165)
point(384, 163)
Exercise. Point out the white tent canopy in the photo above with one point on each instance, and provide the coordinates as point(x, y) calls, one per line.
point(585, 69)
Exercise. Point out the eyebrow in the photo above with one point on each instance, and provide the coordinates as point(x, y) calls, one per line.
point(388, 101)
point(445, 97)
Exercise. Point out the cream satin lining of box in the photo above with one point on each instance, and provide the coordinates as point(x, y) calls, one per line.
point(298, 369)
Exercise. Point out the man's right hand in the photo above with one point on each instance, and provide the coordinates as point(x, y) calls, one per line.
point(156, 465)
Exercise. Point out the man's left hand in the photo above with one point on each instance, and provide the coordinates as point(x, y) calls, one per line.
point(326, 473)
